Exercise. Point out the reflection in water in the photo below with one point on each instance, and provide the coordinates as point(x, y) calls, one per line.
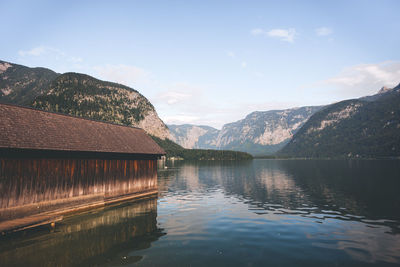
point(99, 237)
point(350, 207)
point(250, 213)
point(367, 188)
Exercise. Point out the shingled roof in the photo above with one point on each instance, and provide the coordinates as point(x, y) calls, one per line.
point(26, 128)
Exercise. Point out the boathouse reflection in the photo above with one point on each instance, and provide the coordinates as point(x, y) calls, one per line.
point(102, 236)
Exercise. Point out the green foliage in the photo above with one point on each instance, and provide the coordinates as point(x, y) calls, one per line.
point(209, 154)
point(84, 96)
point(174, 150)
point(171, 148)
point(24, 83)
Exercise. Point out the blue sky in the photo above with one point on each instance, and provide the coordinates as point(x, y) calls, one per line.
point(213, 62)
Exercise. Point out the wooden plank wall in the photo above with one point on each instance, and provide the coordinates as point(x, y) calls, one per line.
point(47, 184)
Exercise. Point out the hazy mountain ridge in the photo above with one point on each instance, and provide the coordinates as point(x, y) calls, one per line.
point(193, 136)
point(261, 132)
point(79, 95)
point(365, 127)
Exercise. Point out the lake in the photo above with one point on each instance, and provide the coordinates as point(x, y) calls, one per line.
point(249, 213)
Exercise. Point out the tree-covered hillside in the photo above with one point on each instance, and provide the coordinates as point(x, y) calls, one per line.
point(79, 95)
point(20, 84)
point(82, 95)
point(351, 128)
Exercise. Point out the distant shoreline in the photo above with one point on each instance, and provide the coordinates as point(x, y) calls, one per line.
point(325, 158)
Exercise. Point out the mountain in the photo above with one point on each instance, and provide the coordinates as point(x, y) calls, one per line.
point(79, 95)
point(82, 95)
point(192, 136)
point(260, 133)
point(364, 127)
point(264, 132)
point(20, 84)
point(352, 128)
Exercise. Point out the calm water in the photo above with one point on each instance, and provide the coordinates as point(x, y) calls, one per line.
point(256, 213)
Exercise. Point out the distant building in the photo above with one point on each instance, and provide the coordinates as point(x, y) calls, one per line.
point(52, 164)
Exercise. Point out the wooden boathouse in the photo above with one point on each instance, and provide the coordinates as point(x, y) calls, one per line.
point(53, 164)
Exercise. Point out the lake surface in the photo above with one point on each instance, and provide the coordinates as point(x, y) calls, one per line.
point(250, 213)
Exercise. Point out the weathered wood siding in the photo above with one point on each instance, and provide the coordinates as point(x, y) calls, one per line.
point(34, 186)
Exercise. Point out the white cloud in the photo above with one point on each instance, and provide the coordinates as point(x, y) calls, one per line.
point(257, 31)
point(124, 74)
point(231, 54)
point(259, 74)
point(52, 57)
point(180, 119)
point(174, 97)
point(323, 31)
point(194, 106)
point(180, 94)
point(364, 79)
point(175, 103)
point(286, 35)
point(36, 51)
point(47, 51)
point(183, 103)
point(76, 59)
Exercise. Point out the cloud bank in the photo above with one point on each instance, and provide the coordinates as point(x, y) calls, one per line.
point(323, 31)
point(287, 35)
point(124, 74)
point(364, 79)
point(49, 53)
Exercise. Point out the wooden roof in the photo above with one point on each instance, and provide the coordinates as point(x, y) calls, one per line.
point(27, 128)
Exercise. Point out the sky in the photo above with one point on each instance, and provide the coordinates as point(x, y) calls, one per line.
point(213, 62)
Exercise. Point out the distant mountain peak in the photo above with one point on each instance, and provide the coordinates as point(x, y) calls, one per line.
point(4, 66)
point(384, 89)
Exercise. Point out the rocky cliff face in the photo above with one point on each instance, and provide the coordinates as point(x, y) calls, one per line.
point(79, 95)
point(265, 127)
point(264, 132)
point(192, 136)
point(153, 125)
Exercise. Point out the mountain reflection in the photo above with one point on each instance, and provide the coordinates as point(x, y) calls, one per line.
point(348, 190)
point(98, 237)
point(349, 207)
